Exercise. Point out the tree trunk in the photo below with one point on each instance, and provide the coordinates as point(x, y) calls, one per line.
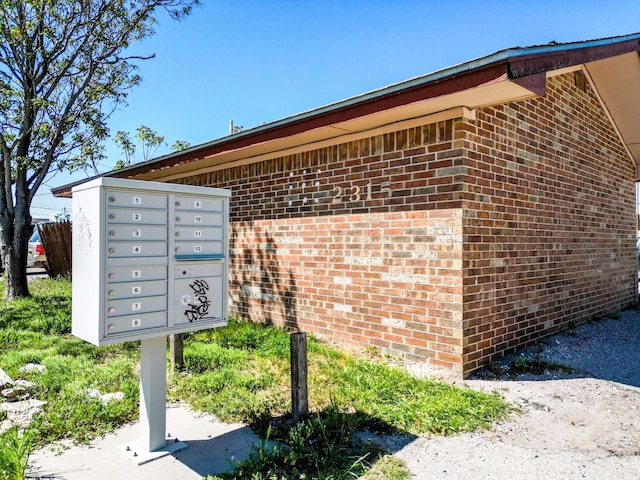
point(15, 285)
point(16, 242)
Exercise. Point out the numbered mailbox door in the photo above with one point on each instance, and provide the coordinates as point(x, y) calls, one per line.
point(199, 294)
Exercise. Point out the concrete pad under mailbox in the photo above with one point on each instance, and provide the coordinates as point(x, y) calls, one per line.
point(210, 446)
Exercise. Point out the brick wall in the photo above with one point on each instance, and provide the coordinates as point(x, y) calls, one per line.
point(393, 281)
point(550, 222)
point(359, 242)
point(450, 242)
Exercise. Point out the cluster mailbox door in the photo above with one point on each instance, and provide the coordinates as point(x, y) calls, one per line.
point(149, 259)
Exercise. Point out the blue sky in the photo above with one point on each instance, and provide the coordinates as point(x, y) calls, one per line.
point(259, 61)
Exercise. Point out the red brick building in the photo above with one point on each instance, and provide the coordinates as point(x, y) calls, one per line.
point(451, 218)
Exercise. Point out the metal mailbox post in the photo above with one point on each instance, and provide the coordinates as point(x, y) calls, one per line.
point(149, 259)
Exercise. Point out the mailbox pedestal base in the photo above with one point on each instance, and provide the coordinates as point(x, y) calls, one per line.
point(136, 454)
point(153, 443)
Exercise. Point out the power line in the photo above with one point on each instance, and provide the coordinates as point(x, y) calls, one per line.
point(48, 207)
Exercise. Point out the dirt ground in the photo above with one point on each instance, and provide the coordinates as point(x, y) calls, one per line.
point(579, 424)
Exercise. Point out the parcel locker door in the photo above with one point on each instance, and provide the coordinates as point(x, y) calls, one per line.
point(198, 293)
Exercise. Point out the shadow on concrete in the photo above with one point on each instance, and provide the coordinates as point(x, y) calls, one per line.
point(217, 454)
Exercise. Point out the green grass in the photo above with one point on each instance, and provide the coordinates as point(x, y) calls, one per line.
point(239, 373)
point(37, 330)
point(14, 454)
point(388, 467)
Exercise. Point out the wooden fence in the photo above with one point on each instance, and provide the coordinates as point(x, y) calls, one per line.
point(56, 240)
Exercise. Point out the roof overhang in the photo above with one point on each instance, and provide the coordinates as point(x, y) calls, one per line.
point(612, 65)
point(617, 82)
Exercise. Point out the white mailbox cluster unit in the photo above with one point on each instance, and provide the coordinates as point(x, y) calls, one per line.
point(149, 259)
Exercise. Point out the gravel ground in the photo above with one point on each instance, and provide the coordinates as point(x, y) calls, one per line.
point(578, 424)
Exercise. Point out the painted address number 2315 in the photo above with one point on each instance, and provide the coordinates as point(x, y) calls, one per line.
point(355, 193)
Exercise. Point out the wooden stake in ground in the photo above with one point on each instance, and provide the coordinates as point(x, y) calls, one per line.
point(175, 351)
point(299, 399)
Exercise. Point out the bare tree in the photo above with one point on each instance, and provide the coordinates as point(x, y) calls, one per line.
point(64, 66)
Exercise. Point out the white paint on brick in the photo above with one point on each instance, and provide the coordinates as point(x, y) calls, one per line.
point(267, 246)
point(497, 262)
point(429, 254)
point(392, 322)
point(448, 239)
point(310, 253)
point(418, 279)
point(251, 291)
point(339, 307)
point(443, 230)
point(350, 260)
point(255, 291)
point(289, 240)
point(342, 280)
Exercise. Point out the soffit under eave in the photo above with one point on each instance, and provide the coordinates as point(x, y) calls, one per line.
point(617, 83)
point(497, 92)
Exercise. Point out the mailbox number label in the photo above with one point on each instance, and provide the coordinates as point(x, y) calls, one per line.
point(137, 290)
point(137, 217)
point(197, 233)
point(137, 200)
point(136, 249)
point(197, 248)
point(136, 273)
point(136, 306)
point(197, 219)
point(137, 233)
point(197, 204)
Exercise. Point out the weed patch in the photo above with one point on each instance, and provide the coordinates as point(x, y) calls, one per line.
point(315, 448)
point(520, 364)
point(14, 454)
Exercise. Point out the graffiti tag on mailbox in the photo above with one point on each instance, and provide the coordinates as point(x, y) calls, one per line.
point(200, 307)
